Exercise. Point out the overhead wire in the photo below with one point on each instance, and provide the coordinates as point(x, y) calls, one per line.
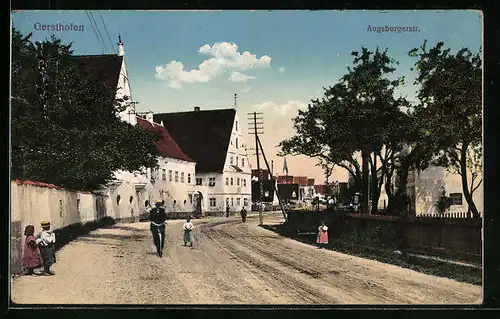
point(95, 32)
point(98, 31)
point(106, 29)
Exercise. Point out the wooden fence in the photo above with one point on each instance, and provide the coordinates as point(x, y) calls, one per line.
point(449, 215)
point(448, 237)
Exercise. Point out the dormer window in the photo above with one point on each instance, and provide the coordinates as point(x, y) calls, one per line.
point(236, 125)
point(236, 143)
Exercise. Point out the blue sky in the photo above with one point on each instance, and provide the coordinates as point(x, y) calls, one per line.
point(292, 55)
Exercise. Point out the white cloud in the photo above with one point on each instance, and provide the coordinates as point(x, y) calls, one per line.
point(224, 57)
point(282, 70)
point(290, 107)
point(240, 77)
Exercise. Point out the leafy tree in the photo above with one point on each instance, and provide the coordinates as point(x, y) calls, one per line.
point(65, 128)
point(451, 101)
point(358, 115)
point(443, 202)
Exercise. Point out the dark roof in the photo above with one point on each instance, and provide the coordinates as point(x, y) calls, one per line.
point(202, 135)
point(105, 67)
point(166, 145)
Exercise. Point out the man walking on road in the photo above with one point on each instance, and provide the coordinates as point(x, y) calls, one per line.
point(243, 214)
point(157, 217)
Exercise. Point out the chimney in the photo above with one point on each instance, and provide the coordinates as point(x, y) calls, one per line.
point(121, 50)
point(196, 108)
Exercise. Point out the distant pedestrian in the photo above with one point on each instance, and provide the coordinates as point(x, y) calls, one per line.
point(46, 241)
point(32, 258)
point(227, 210)
point(188, 228)
point(322, 239)
point(243, 214)
point(157, 217)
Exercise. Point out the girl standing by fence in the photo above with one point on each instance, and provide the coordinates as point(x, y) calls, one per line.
point(322, 239)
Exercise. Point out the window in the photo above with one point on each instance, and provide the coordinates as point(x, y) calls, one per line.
point(190, 198)
point(238, 181)
point(170, 175)
point(227, 201)
point(238, 202)
point(242, 162)
point(213, 202)
point(245, 201)
point(78, 205)
point(164, 174)
point(232, 202)
point(236, 145)
point(237, 162)
point(244, 182)
point(118, 200)
point(61, 207)
point(227, 180)
point(236, 125)
point(199, 181)
point(146, 203)
point(231, 181)
point(189, 178)
point(211, 181)
point(182, 177)
point(131, 199)
point(231, 160)
point(456, 198)
point(176, 176)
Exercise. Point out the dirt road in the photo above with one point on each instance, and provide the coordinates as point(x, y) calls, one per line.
point(231, 263)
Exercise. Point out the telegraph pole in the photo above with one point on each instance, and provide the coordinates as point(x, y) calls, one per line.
point(258, 128)
point(274, 185)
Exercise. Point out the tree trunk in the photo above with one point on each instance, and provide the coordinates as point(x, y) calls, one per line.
point(375, 189)
point(465, 188)
point(365, 190)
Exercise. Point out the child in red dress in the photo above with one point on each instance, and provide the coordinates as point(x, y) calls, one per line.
point(322, 239)
point(31, 257)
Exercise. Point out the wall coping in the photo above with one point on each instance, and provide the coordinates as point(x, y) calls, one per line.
point(53, 186)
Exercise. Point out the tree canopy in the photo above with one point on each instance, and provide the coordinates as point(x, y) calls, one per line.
point(65, 128)
point(360, 115)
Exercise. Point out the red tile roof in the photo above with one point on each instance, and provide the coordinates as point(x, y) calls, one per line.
point(166, 145)
point(285, 179)
point(301, 180)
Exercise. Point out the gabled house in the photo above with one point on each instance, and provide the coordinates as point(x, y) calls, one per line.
point(111, 69)
point(173, 179)
point(214, 139)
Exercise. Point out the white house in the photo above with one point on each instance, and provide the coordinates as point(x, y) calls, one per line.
point(214, 139)
point(429, 185)
point(425, 188)
point(172, 180)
